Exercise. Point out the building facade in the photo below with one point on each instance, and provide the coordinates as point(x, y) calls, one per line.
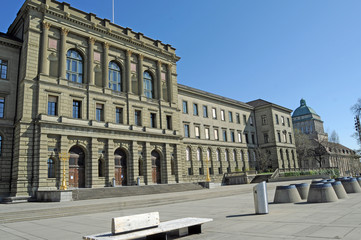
point(108, 96)
point(323, 154)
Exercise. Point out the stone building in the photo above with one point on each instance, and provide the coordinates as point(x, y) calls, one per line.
point(108, 96)
point(325, 154)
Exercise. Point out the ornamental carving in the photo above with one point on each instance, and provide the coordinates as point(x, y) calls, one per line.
point(46, 25)
point(91, 40)
point(64, 31)
point(129, 53)
point(106, 45)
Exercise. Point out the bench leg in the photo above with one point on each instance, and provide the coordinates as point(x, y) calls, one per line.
point(159, 236)
point(195, 229)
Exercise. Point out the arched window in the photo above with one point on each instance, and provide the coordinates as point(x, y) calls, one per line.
point(199, 154)
point(148, 85)
point(188, 154)
point(51, 168)
point(100, 168)
point(218, 155)
point(209, 155)
point(115, 77)
point(74, 66)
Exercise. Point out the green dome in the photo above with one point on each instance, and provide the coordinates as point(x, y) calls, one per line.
point(303, 109)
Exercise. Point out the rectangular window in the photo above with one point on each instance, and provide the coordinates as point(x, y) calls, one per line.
point(216, 137)
point(279, 136)
point(205, 111)
point(232, 136)
point(153, 120)
point(283, 121)
point(288, 122)
point(265, 135)
point(239, 137)
point(196, 131)
point(185, 107)
point(244, 119)
point(230, 116)
point(99, 112)
point(2, 107)
point(238, 119)
point(169, 122)
point(52, 105)
point(138, 118)
point(264, 119)
point(246, 136)
point(206, 133)
point(119, 115)
point(253, 139)
point(224, 132)
point(76, 109)
point(285, 137)
point(290, 137)
point(214, 113)
point(3, 69)
point(222, 115)
point(251, 120)
point(277, 122)
point(186, 130)
point(195, 109)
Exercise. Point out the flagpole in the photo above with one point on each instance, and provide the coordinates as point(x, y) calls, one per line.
point(113, 10)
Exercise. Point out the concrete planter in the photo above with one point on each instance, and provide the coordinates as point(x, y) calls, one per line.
point(303, 189)
point(287, 194)
point(351, 185)
point(54, 196)
point(339, 190)
point(321, 193)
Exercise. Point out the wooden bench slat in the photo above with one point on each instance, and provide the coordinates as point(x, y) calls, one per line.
point(135, 222)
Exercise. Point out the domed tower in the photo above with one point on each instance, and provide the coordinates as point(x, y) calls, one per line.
point(306, 120)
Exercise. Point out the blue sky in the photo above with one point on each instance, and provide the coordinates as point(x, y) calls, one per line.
point(277, 50)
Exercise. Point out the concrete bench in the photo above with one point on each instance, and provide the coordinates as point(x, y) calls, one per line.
point(148, 225)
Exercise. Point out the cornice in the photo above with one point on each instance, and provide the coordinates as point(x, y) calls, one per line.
point(193, 91)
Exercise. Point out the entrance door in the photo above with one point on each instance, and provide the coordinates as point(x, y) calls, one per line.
point(76, 168)
point(156, 178)
point(120, 171)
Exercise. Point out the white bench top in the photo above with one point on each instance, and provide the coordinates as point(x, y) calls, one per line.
point(163, 227)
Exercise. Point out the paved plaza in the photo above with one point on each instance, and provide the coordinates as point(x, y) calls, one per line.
point(231, 207)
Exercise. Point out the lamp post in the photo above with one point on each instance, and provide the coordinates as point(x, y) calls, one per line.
point(208, 179)
point(64, 157)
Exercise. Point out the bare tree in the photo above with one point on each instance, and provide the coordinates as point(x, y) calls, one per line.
point(334, 137)
point(264, 161)
point(319, 150)
point(356, 108)
point(303, 147)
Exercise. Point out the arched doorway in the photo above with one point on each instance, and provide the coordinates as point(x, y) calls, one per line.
point(120, 162)
point(156, 167)
point(76, 167)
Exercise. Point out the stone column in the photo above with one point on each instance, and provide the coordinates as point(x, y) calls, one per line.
point(42, 158)
point(91, 61)
point(133, 170)
point(178, 163)
point(140, 75)
point(105, 65)
point(147, 161)
point(91, 168)
point(44, 63)
point(170, 83)
point(110, 162)
point(62, 55)
point(166, 165)
point(159, 80)
point(128, 74)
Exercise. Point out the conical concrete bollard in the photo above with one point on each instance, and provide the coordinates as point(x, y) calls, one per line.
point(359, 180)
point(351, 185)
point(303, 189)
point(321, 193)
point(287, 194)
point(339, 190)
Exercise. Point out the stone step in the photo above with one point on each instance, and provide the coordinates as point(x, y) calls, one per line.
point(112, 192)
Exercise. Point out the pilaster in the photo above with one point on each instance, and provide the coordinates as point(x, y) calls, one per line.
point(44, 62)
point(170, 83)
point(62, 55)
point(110, 165)
point(140, 75)
point(159, 80)
point(105, 65)
point(91, 42)
point(128, 74)
point(147, 161)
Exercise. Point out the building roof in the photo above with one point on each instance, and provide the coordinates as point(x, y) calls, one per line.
point(303, 109)
point(260, 103)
